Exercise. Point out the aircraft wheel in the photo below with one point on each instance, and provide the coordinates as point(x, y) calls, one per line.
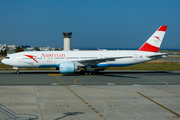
point(88, 73)
point(17, 72)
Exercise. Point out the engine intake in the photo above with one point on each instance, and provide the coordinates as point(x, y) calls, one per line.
point(66, 67)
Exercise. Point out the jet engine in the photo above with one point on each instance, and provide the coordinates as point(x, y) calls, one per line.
point(67, 67)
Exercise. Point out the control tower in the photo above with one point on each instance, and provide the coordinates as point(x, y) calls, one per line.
point(67, 40)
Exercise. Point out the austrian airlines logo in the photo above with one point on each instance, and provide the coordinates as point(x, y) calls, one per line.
point(43, 55)
point(32, 57)
point(157, 38)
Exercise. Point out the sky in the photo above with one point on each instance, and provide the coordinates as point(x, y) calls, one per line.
point(94, 23)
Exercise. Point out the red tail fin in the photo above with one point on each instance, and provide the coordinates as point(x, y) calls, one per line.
point(154, 42)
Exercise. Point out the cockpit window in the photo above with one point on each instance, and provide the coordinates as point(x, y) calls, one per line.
point(7, 57)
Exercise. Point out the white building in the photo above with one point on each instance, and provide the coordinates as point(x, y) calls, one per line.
point(11, 47)
point(44, 48)
point(29, 49)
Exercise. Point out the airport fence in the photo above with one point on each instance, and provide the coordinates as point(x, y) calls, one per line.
point(174, 57)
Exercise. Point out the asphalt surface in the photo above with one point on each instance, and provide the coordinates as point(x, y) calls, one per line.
point(100, 78)
point(109, 95)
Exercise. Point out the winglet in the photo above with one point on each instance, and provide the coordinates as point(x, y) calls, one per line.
point(154, 42)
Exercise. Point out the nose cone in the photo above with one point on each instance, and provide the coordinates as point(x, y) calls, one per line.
point(7, 61)
point(2, 61)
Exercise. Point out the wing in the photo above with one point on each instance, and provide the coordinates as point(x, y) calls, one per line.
point(99, 60)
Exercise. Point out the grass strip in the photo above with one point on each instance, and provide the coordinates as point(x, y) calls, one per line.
point(156, 65)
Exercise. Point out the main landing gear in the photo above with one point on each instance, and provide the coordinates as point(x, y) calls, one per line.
point(88, 71)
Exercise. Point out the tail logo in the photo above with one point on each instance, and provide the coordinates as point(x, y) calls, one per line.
point(157, 38)
point(32, 57)
point(154, 42)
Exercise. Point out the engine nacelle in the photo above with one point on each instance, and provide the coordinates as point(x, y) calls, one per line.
point(67, 67)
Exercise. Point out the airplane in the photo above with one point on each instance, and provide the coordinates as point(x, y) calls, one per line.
point(72, 61)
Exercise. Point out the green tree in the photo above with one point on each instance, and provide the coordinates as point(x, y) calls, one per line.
point(36, 49)
point(3, 53)
point(19, 49)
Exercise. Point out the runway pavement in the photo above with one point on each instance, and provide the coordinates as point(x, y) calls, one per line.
point(109, 95)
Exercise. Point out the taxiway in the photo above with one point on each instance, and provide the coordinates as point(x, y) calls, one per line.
point(107, 95)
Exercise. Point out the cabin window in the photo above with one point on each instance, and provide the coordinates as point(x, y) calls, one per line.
point(89, 57)
point(7, 57)
point(59, 58)
point(72, 57)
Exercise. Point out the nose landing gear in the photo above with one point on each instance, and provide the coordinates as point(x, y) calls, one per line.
point(17, 70)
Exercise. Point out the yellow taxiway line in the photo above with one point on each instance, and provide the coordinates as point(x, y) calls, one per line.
point(78, 96)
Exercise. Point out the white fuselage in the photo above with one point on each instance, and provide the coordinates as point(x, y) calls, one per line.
point(47, 59)
point(70, 61)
